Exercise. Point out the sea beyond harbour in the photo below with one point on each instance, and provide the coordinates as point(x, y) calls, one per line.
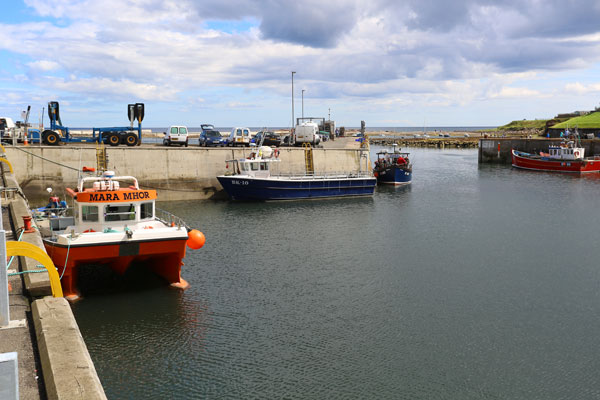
point(367, 129)
point(475, 282)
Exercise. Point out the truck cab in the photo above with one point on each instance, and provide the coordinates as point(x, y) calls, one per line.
point(7, 128)
point(177, 134)
point(239, 137)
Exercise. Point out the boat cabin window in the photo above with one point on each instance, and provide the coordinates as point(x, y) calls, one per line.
point(244, 167)
point(263, 166)
point(146, 210)
point(254, 166)
point(89, 213)
point(125, 212)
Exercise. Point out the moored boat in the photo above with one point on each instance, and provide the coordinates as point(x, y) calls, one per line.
point(393, 168)
point(565, 157)
point(115, 223)
point(253, 178)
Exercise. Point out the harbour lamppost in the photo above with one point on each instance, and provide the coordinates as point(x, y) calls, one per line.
point(303, 90)
point(293, 72)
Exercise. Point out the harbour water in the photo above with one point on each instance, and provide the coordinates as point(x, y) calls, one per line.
point(476, 282)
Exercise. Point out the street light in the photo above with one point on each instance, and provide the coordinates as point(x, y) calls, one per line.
point(293, 72)
point(303, 90)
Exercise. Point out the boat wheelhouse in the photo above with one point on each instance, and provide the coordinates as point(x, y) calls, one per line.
point(115, 222)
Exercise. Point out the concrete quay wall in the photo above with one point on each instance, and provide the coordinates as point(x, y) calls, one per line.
point(66, 366)
point(498, 150)
point(177, 173)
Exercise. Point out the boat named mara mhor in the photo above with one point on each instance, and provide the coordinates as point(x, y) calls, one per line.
point(115, 223)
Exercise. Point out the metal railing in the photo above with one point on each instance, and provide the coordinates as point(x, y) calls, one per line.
point(324, 175)
point(169, 219)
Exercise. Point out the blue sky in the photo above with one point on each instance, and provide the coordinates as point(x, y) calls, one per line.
point(388, 62)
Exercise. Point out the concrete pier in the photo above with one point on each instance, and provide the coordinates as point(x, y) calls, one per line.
point(53, 361)
point(498, 150)
point(178, 173)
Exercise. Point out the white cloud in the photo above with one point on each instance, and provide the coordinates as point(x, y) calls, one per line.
point(124, 89)
point(44, 65)
point(515, 93)
point(580, 89)
point(381, 52)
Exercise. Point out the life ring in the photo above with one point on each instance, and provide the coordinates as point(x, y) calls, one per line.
point(576, 154)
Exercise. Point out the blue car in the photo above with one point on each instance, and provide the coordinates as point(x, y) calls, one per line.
point(211, 137)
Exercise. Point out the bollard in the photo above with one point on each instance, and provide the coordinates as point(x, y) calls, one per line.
point(27, 224)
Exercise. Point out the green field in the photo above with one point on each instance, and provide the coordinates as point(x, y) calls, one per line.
point(523, 124)
point(590, 121)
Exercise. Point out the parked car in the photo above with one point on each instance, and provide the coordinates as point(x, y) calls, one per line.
point(324, 136)
point(285, 140)
point(211, 137)
point(271, 138)
point(176, 134)
point(239, 137)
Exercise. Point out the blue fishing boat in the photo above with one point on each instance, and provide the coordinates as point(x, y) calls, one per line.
point(253, 179)
point(393, 168)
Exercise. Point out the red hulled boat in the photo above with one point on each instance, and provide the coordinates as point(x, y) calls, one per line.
point(565, 157)
point(115, 223)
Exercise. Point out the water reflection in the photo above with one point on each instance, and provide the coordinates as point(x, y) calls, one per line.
point(473, 282)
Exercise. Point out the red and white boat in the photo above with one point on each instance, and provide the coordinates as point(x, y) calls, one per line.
point(566, 157)
point(115, 223)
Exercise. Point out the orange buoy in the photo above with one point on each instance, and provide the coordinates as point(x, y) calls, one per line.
point(196, 239)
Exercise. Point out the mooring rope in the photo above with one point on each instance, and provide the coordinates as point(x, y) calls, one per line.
point(46, 159)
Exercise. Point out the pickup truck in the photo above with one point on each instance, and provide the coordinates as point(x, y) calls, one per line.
point(177, 134)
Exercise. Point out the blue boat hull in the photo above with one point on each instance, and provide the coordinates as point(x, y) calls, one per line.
point(245, 188)
point(394, 176)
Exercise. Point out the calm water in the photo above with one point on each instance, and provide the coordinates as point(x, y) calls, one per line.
point(474, 283)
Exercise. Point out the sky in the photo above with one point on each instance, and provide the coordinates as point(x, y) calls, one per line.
point(388, 62)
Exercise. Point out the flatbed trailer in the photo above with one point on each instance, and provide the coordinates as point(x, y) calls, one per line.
point(113, 135)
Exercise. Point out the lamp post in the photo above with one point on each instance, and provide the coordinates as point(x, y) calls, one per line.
point(293, 72)
point(303, 90)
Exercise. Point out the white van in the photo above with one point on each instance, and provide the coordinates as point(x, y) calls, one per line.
point(239, 137)
point(176, 134)
point(307, 132)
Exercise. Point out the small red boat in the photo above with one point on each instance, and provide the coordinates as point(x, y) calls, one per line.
point(565, 157)
point(115, 223)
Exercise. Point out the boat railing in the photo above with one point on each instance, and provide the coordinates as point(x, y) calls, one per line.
point(324, 175)
point(169, 219)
